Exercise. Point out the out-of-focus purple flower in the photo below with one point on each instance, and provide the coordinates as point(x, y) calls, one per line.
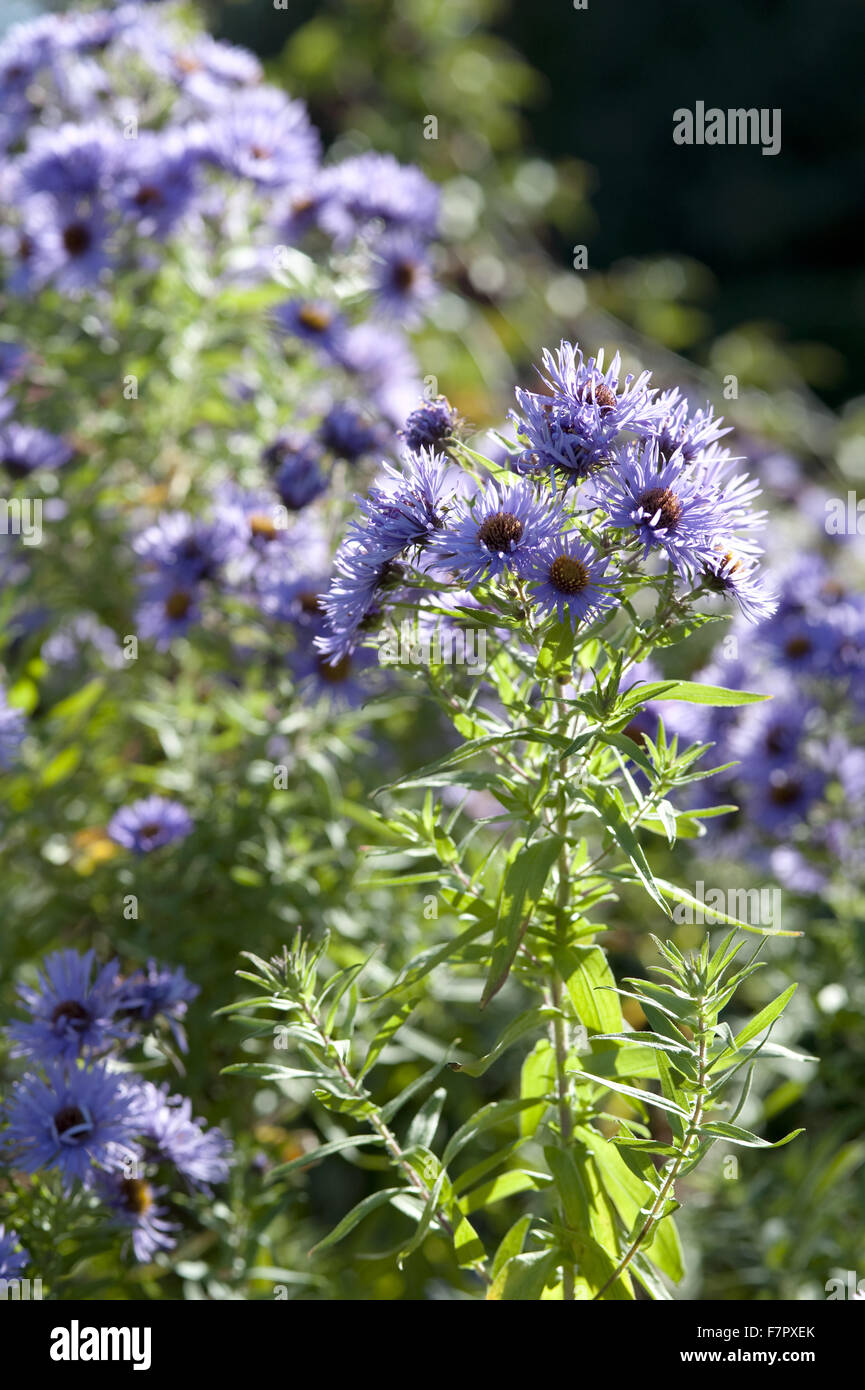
point(72, 1013)
point(25, 448)
point(168, 607)
point(402, 279)
point(149, 824)
point(13, 727)
point(158, 992)
point(299, 478)
point(12, 1262)
point(172, 1135)
point(135, 1205)
point(313, 321)
point(265, 137)
point(158, 182)
point(348, 433)
point(376, 187)
point(185, 548)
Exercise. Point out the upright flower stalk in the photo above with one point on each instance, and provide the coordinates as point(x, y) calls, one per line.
point(589, 546)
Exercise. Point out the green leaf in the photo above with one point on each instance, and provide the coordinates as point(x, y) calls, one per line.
point(630, 1195)
point(522, 1024)
point(695, 694)
point(357, 1214)
point(590, 984)
point(766, 1017)
point(743, 1137)
point(511, 1245)
point(681, 895)
point(522, 886)
point(608, 804)
point(522, 1278)
point(350, 1141)
point(422, 1129)
point(537, 1078)
point(498, 1112)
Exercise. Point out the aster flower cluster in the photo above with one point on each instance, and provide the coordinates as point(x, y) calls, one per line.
point(132, 145)
point(614, 483)
point(97, 1126)
point(798, 771)
point(93, 180)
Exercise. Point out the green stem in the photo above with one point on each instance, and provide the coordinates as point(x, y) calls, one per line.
point(657, 1209)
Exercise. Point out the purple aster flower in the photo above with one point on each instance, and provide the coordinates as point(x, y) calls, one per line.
point(661, 504)
point(75, 1120)
point(402, 279)
point(798, 633)
point(158, 992)
point(13, 727)
point(314, 321)
point(158, 182)
point(568, 579)
point(134, 1204)
point(24, 449)
point(12, 1262)
point(299, 478)
point(382, 361)
point(432, 422)
point(351, 603)
point(498, 529)
point(149, 824)
point(166, 1123)
point(767, 736)
point(67, 644)
point(571, 430)
point(72, 163)
point(691, 435)
point(407, 508)
point(265, 137)
point(348, 434)
point(376, 187)
point(71, 1012)
point(738, 578)
point(169, 606)
point(339, 682)
point(185, 548)
point(68, 245)
point(779, 798)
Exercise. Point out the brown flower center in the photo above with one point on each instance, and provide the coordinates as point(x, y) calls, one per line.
point(784, 791)
point(336, 674)
point(568, 575)
point(798, 646)
point(68, 1117)
point(601, 395)
point(316, 320)
point(70, 1011)
point(404, 275)
point(76, 238)
point(664, 501)
point(137, 1195)
point(178, 604)
point(263, 526)
point(147, 195)
point(500, 531)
